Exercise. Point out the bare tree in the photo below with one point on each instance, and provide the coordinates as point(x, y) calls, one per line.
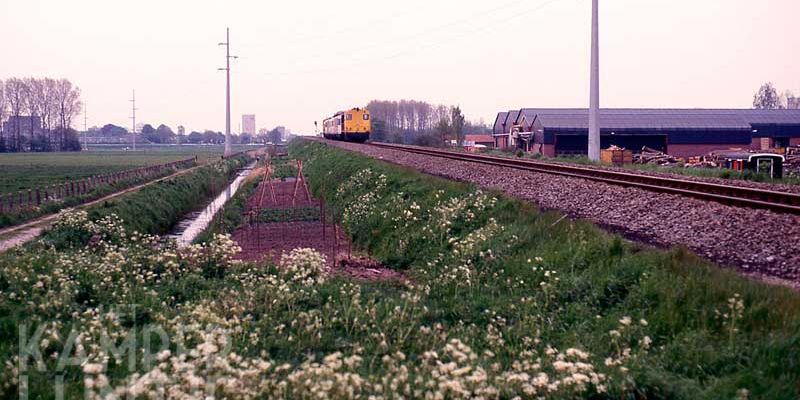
point(413, 120)
point(34, 91)
point(45, 96)
point(69, 105)
point(423, 116)
point(457, 124)
point(3, 107)
point(767, 98)
point(792, 101)
point(15, 95)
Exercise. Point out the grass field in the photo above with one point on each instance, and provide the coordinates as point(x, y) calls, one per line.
point(21, 171)
point(503, 301)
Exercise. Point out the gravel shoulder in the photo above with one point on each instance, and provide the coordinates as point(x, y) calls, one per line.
point(758, 243)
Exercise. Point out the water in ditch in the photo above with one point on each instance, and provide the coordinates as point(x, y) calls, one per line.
point(193, 224)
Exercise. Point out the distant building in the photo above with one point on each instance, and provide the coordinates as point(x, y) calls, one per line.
point(679, 132)
point(478, 141)
point(249, 124)
point(24, 125)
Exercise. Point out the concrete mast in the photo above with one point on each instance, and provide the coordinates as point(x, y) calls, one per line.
point(227, 70)
point(594, 89)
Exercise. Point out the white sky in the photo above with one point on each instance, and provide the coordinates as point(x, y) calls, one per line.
point(302, 60)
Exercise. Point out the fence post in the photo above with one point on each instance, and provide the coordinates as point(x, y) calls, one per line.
point(2, 198)
point(38, 197)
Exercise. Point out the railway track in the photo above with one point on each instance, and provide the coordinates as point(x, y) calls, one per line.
point(726, 194)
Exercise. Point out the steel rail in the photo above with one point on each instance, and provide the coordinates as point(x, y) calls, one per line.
point(726, 194)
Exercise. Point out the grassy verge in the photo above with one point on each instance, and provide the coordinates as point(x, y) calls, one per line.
point(156, 208)
point(703, 344)
point(20, 216)
point(504, 302)
point(231, 216)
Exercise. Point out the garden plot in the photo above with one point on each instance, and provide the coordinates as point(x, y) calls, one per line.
point(281, 216)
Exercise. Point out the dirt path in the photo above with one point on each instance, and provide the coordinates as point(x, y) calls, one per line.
point(23, 233)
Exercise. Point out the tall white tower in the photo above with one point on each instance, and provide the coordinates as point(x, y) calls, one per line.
point(594, 89)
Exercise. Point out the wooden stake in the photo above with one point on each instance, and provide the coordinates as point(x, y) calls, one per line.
point(298, 180)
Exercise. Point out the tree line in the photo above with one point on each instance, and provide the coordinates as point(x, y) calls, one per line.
point(768, 98)
point(163, 134)
point(419, 122)
point(54, 102)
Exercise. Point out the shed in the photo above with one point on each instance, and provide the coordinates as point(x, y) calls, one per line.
point(757, 162)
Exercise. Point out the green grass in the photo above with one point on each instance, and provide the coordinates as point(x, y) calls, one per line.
point(602, 279)
point(156, 208)
point(499, 293)
point(22, 171)
point(289, 215)
point(231, 216)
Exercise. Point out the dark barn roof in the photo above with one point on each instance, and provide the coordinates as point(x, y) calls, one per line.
point(681, 126)
point(639, 119)
point(511, 119)
point(499, 121)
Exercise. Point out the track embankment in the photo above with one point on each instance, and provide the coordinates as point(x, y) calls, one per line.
point(758, 243)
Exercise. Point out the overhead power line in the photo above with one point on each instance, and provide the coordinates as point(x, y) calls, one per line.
point(133, 117)
point(416, 47)
point(406, 38)
point(227, 69)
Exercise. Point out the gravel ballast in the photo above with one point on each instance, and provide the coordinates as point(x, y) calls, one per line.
point(758, 243)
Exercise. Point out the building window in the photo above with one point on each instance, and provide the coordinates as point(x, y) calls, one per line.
point(366, 117)
point(349, 117)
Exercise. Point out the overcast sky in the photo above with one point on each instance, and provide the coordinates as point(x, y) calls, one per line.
point(302, 60)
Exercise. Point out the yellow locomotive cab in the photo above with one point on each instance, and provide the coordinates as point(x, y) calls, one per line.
point(353, 125)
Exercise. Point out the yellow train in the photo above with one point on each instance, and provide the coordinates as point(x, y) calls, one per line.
point(352, 126)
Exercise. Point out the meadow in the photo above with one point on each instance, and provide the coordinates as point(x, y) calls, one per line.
point(21, 171)
point(501, 301)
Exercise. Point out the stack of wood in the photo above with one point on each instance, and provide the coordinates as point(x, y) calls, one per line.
point(791, 167)
point(616, 155)
point(655, 157)
point(701, 162)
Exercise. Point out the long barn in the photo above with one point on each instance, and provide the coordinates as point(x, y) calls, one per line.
point(680, 132)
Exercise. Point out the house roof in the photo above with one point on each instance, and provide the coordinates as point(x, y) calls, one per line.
point(511, 118)
point(478, 138)
point(658, 119)
point(498, 122)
